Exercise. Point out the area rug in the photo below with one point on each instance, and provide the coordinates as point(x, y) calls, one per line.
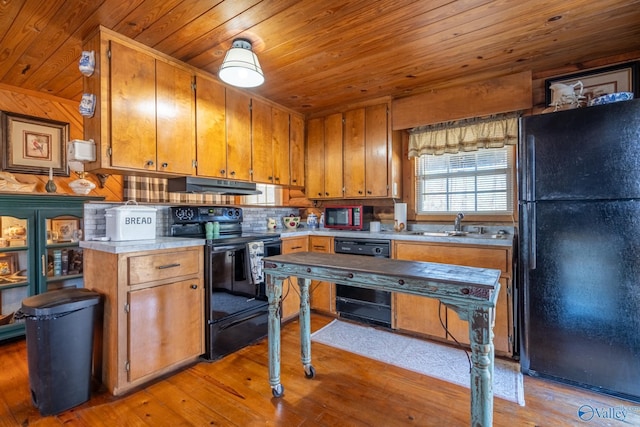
point(425, 357)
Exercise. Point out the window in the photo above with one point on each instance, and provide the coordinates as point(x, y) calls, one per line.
point(470, 182)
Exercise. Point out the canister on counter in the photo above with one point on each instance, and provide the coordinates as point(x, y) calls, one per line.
point(312, 221)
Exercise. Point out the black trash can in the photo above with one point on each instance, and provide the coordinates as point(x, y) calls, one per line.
point(59, 331)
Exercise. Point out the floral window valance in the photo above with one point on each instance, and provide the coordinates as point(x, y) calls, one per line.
point(464, 135)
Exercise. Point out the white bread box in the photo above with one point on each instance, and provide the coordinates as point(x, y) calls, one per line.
point(131, 222)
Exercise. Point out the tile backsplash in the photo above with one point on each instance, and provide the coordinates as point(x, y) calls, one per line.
point(255, 218)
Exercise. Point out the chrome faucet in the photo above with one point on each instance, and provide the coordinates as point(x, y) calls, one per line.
point(456, 222)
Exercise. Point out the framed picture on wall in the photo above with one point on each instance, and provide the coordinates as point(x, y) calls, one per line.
point(603, 81)
point(33, 145)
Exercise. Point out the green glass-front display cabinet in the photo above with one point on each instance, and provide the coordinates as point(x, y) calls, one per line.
point(39, 250)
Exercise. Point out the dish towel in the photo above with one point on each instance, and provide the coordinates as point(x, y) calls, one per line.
point(256, 252)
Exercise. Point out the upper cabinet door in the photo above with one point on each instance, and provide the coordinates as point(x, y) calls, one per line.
point(296, 149)
point(238, 116)
point(261, 144)
point(333, 166)
point(175, 119)
point(280, 144)
point(354, 153)
point(377, 151)
point(211, 139)
point(315, 158)
point(133, 108)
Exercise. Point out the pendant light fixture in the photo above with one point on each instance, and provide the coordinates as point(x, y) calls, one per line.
point(240, 66)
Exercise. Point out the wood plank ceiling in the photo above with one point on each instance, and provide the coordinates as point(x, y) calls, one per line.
point(320, 54)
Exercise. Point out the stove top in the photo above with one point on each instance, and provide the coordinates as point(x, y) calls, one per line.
point(189, 221)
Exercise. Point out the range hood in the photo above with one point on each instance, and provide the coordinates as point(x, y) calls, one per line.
point(192, 184)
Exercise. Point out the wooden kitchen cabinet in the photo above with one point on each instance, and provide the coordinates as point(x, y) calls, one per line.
point(145, 104)
point(291, 293)
point(270, 143)
point(280, 146)
point(238, 119)
point(421, 315)
point(414, 313)
point(367, 152)
point(379, 155)
point(315, 159)
point(354, 154)
point(296, 151)
point(371, 163)
point(175, 119)
point(211, 133)
point(324, 157)
point(132, 76)
point(323, 294)
point(153, 312)
point(262, 150)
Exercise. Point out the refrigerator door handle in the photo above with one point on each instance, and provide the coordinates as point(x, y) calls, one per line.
point(532, 235)
point(531, 167)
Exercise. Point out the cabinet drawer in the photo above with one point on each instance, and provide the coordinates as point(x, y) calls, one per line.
point(322, 244)
point(152, 267)
point(457, 255)
point(294, 244)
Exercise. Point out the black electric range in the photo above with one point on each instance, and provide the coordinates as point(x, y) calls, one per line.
point(236, 307)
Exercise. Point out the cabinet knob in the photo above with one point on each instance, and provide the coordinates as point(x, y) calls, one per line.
point(194, 286)
point(164, 165)
point(222, 171)
point(326, 194)
point(233, 173)
point(359, 191)
point(368, 191)
point(294, 180)
point(270, 178)
point(149, 162)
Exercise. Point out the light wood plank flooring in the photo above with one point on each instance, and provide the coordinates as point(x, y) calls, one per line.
point(348, 390)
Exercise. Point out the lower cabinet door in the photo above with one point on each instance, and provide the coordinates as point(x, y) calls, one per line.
point(167, 315)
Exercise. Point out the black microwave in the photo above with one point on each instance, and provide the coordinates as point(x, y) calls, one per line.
point(354, 217)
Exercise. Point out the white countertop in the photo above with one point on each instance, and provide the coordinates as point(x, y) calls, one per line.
point(141, 245)
point(178, 242)
point(469, 239)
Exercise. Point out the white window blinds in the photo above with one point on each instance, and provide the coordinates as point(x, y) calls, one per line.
point(479, 181)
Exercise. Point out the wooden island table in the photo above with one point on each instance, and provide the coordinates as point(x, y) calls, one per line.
point(471, 292)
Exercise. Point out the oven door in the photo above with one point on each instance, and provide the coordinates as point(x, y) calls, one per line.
point(229, 270)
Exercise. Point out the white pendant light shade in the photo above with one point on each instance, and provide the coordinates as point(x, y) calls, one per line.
point(240, 66)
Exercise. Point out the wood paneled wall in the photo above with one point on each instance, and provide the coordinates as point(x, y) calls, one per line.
point(483, 98)
point(36, 104)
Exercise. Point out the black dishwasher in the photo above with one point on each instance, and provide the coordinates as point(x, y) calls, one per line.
point(360, 304)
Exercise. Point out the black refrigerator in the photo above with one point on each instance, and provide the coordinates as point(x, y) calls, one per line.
point(579, 247)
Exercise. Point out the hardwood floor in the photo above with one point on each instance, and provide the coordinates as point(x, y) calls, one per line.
point(348, 390)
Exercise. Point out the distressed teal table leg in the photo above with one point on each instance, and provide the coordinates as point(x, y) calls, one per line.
point(305, 327)
point(482, 354)
point(274, 294)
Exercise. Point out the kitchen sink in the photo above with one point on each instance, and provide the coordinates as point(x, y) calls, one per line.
point(452, 233)
point(440, 233)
